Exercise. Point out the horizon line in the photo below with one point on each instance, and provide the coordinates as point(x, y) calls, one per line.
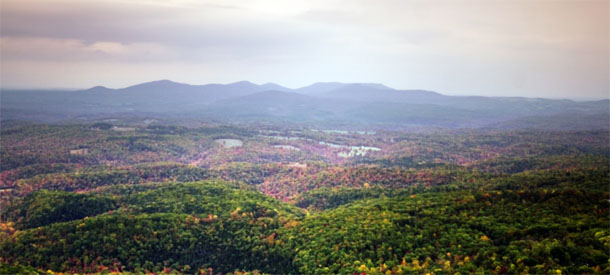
point(73, 89)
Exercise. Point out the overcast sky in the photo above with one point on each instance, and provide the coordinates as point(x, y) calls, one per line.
point(499, 48)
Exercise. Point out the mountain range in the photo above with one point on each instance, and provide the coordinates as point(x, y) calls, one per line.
point(336, 104)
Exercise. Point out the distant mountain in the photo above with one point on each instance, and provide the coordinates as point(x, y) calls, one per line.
point(166, 92)
point(378, 86)
point(562, 121)
point(159, 85)
point(270, 104)
point(368, 93)
point(98, 89)
point(364, 104)
point(274, 87)
point(169, 88)
point(320, 88)
point(270, 97)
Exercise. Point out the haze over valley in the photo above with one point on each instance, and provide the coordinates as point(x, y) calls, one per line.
point(365, 105)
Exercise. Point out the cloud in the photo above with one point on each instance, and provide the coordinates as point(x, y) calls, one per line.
point(132, 21)
point(53, 49)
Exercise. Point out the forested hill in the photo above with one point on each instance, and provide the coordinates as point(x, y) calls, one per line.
point(104, 197)
point(331, 104)
point(207, 226)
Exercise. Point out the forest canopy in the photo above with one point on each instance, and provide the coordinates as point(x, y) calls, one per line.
point(161, 199)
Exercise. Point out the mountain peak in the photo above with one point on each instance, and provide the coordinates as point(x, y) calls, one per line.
point(98, 89)
point(320, 87)
point(242, 83)
point(273, 86)
point(164, 83)
point(378, 86)
point(159, 86)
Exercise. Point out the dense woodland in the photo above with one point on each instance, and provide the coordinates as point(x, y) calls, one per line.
point(148, 198)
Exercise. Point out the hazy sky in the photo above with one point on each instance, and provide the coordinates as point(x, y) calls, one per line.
point(513, 48)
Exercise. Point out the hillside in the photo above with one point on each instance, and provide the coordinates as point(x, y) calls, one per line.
point(166, 227)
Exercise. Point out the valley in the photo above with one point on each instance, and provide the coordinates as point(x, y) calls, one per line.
point(217, 198)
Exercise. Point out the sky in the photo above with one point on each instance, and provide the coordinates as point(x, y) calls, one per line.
point(532, 48)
